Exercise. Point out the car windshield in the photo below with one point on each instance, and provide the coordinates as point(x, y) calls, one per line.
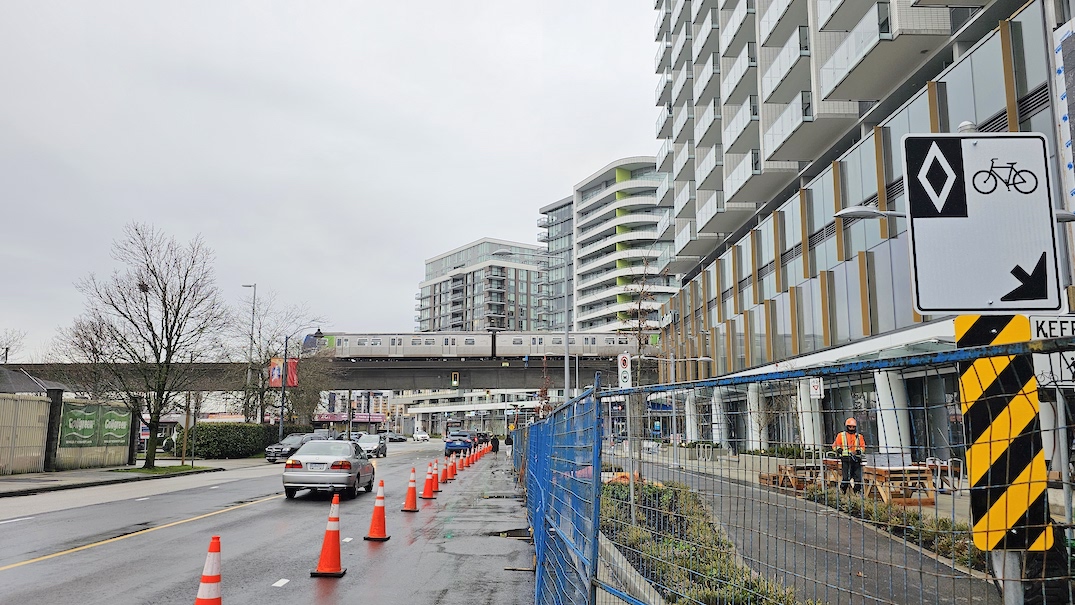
point(292, 440)
point(463, 436)
point(369, 439)
point(324, 448)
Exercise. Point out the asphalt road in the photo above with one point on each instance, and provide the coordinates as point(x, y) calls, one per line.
point(146, 542)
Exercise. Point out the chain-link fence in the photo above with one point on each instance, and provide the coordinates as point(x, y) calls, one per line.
point(742, 490)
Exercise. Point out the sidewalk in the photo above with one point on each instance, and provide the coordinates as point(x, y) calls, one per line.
point(35, 483)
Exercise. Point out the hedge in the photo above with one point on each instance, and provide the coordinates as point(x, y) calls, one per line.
point(272, 432)
point(220, 440)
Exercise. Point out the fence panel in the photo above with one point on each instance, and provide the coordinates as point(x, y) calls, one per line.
point(23, 424)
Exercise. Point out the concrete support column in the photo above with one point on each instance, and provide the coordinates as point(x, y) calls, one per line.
point(720, 421)
point(690, 413)
point(893, 420)
point(52, 436)
point(757, 427)
point(811, 428)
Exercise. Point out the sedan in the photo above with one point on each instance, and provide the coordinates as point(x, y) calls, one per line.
point(337, 466)
point(395, 437)
point(373, 445)
point(421, 436)
point(290, 444)
point(457, 443)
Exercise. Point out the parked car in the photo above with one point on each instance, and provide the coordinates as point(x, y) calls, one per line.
point(457, 442)
point(374, 445)
point(329, 465)
point(483, 436)
point(290, 444)
point(395, 437)
point(420, 436)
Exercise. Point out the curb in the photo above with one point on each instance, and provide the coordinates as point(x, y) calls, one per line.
point(29, 491)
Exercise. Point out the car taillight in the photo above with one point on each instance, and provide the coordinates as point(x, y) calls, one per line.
point(341, 465)
point(293, 464)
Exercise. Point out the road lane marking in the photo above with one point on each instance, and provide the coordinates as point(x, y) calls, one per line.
point(14, 520)
point(348, 539)
point(140, 499)
point(280, 582)
point(214, 487)
point(137, 533)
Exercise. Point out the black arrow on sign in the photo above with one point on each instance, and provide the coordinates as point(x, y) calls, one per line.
point(1034, 286)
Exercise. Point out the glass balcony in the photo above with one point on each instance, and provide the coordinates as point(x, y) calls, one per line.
point(739, 29)
point(679, 133)
point(712, 203)
point(664, 156)
point(867, 34)
point(664, 122)
point(798, 111)
point(779, 19)
point(740, 81)
point(684, 204)
point(678, 14)
point(707, 125)
point(663, 231)
point(790, 71)
point(663, 191)
point(840, 15)
point(664, 17)
point(684, 234)
point(663, 94)
point(683, 40)
point(543, 236)
point(684, 77)
point(749, 166)
point(710, 169)
point(707, 82)
point(741, 131)
point(664, 53)
point(683, 164)
point(707, 39)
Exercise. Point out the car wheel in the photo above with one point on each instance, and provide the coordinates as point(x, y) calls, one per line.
point(289, 492)
point(352, 492)
point(369, 486)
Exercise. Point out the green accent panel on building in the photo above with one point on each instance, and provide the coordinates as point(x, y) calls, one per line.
point(623, 264)
point(623, 281)
point(623, 298)
point(620, 229)
point(622, 174)
point(622, 212)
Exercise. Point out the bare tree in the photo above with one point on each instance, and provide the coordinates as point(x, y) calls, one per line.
point(146, 324)
point(10, 343)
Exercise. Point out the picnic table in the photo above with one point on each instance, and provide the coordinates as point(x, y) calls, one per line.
point(798, 476)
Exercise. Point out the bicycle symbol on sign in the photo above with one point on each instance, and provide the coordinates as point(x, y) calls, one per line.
point(985, 181)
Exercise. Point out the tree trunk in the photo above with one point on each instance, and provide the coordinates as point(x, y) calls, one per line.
point(151, 443)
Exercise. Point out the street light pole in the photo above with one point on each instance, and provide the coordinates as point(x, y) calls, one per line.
point(250, 355)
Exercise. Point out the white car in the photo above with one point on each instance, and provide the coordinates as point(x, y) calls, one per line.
point(421, 436)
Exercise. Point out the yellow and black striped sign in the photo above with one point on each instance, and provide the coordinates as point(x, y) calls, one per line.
point(1005, 458)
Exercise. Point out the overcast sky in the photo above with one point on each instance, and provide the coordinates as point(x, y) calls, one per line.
point(322, 149)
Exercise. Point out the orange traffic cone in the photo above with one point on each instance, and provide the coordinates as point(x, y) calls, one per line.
point(444, 472)
point(411, 504)
point(427, 491)
point(329, 564)
point(451, 468)
point(209, 589)
point(466, 459)
point(436, 473)
point(377, 532)
point(458, 464)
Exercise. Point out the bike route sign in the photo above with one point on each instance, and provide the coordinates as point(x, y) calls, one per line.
point(981, 223)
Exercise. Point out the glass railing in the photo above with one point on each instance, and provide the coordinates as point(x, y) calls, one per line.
point(664, 223)
point(683, 40)
point(662, 21)
point(685, 75)
point(663, 84)
point(663, 153)
point(711, 161)
point(735, 127)
point(735, 23)
point(685, 196)
point(873, 28)
point(770, 18)
point(710, 70)
point(710, 206)
point(677, 10)
point(702, 124)
point(683, 155)
point(748, 167)
point(664, 187)
point(798, 111)
point(826, 9)
point(662, 119)
point(708, 28)
point(662, 54)
point(687, 113)
point(743, 62)
point(685, 235)
point(785, 60)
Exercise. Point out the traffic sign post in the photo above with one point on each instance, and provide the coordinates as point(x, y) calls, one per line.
point(981, 223)
point(623, 365)
point(1060, 371)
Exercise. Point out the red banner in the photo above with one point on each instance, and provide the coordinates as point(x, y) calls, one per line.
point(276, 368)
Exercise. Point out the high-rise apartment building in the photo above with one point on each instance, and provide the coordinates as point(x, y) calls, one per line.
point(776, 114)
point(558, 220)
point(471, 289)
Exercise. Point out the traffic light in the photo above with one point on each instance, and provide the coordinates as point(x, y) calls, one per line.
point(455, 379)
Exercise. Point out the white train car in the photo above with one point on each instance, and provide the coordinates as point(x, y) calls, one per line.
point(509, 345)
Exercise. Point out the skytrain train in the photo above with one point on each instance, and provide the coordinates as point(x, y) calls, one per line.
point(492, 345)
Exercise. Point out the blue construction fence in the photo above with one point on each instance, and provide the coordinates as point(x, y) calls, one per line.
point(558, 464)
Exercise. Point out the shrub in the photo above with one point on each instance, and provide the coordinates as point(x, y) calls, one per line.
point(168, 445)
point(224, 440)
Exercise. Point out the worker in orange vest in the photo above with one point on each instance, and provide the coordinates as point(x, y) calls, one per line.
point(851, 447)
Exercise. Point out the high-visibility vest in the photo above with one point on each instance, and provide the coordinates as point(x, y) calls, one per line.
point(857, 442)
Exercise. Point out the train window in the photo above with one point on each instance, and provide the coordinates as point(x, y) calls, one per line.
point(533, 341)
point(445, 342)
point(416, 341)
point(541, 341)
point(557, 341)
point(361, 342)
point(429, 341)
point(468, 341)
point(453, 342)
point(570, 341)
point(622, 340)
point(610, 341)
point(375, 342)
point(345, 340)
point(516, 341)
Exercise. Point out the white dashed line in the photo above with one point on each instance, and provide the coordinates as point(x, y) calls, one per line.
point(281, 582)
point(348, 539)
point(140, 499)
point(14, 520)
point(214, 487)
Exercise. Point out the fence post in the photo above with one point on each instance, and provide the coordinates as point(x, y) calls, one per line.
point(52, 435)
point(595, 522)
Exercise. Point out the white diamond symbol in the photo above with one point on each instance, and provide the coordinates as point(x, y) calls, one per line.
point(934, 155)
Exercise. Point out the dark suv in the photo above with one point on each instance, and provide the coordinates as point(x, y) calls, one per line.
point(290, 444)
point(484, 437)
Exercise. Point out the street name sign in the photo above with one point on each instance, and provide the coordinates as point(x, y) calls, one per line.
point(1055, 369)
point(981, 223)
